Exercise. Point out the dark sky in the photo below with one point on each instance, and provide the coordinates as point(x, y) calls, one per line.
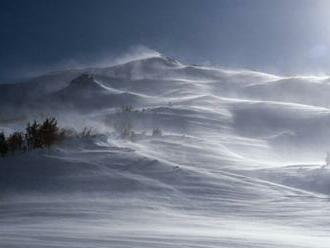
point(282, 36)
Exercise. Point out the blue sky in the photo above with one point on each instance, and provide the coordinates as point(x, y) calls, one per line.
point(279, 36)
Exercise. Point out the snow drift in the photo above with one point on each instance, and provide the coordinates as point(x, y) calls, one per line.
point(217, 177)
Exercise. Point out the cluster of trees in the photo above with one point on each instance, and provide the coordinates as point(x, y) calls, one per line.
point(47, 133)
point(123, 122)
point(36, 135)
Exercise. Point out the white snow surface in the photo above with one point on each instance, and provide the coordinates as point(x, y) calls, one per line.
point(239, 164)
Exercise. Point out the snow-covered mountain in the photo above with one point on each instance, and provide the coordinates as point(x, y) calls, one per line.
point(238, 164)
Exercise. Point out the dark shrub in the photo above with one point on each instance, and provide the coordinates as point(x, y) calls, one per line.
point(49, 132)
point(87, 132)
point(3, 145)
point(15, 142)
point(156, 132)
point(32, 136)
point(38, 135)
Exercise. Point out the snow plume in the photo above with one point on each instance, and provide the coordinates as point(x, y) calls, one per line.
point(136, 53)
point(106, 59)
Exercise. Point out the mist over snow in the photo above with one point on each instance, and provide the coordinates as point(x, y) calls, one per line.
point(211, 157)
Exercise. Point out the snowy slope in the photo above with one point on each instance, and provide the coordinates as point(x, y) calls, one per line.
point(218, 177)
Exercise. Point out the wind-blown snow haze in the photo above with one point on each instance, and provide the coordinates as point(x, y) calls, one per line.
point(149, 147)
point(238, 161)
